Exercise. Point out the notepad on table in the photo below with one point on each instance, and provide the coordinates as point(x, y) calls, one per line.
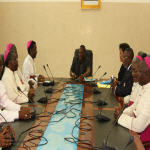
point(99, 85)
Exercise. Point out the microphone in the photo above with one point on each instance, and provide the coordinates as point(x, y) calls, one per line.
point(33, 113)
point(95, 91)
point(96, 70)
point(43, 100)
point(19, 89)
point(47, 83)
point(102, 76)
point(102, 102)
point(46, 72)
point(105, 147)
point(131, 138)
point(100, 117)
point(53, 83)
point(93, 83)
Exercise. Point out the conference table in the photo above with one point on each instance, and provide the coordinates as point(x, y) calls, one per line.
point(68, 120)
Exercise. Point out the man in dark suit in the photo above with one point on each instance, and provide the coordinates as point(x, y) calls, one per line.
point(122, 70)
point(124, 87)
point(80, 67)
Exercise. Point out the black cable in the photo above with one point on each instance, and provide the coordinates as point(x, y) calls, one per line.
point(87, 144)
point(69, 112)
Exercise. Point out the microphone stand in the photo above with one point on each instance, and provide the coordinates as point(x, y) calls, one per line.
point(93, 84)
point(19, 89)
point(105, 147)
point(49, 90)
point(100, 117)
point(96, 71)
point(43, 99)
point(46, 72)
point(33, 114)
point(95, 91)
point(52, 83)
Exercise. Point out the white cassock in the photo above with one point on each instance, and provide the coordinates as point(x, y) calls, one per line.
point(10, 109)
point(29, 69)
point(21, 76)
point(141, 109)
point(12, 80)
point(135, 90)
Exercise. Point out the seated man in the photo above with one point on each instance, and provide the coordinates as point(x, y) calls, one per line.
point(9, 110)
point(13, 48)
point(130, 99)
point(122, 70)
point(136, 117)
point(12, 81)
point(124, 87)
point(28, 68)
point(80, 67)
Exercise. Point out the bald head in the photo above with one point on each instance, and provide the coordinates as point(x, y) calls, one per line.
point(144, 73)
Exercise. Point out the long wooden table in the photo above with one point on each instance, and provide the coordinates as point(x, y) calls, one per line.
point(95, 135)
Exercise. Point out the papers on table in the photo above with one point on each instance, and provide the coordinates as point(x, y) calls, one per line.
point(99, 85)
point(103, 84)
point(89, 79)
point(106, 82)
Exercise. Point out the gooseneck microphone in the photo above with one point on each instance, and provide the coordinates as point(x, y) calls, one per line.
point(43, 99)
point(33, 113)
point(51, 74)
point(102, 102)
point(100, 117)
point(96, 70)
point(93, 84)
point(131, 138)
point(49, 83)
point(46, 72)
point(102, 76)
point(19, 89)
point(105, 147)
point(95, 90)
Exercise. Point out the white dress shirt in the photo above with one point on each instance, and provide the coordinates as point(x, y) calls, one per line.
point(10, 109)
point(12, 81)
point(135, 90)
point(141, 109)
point(29, 69)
